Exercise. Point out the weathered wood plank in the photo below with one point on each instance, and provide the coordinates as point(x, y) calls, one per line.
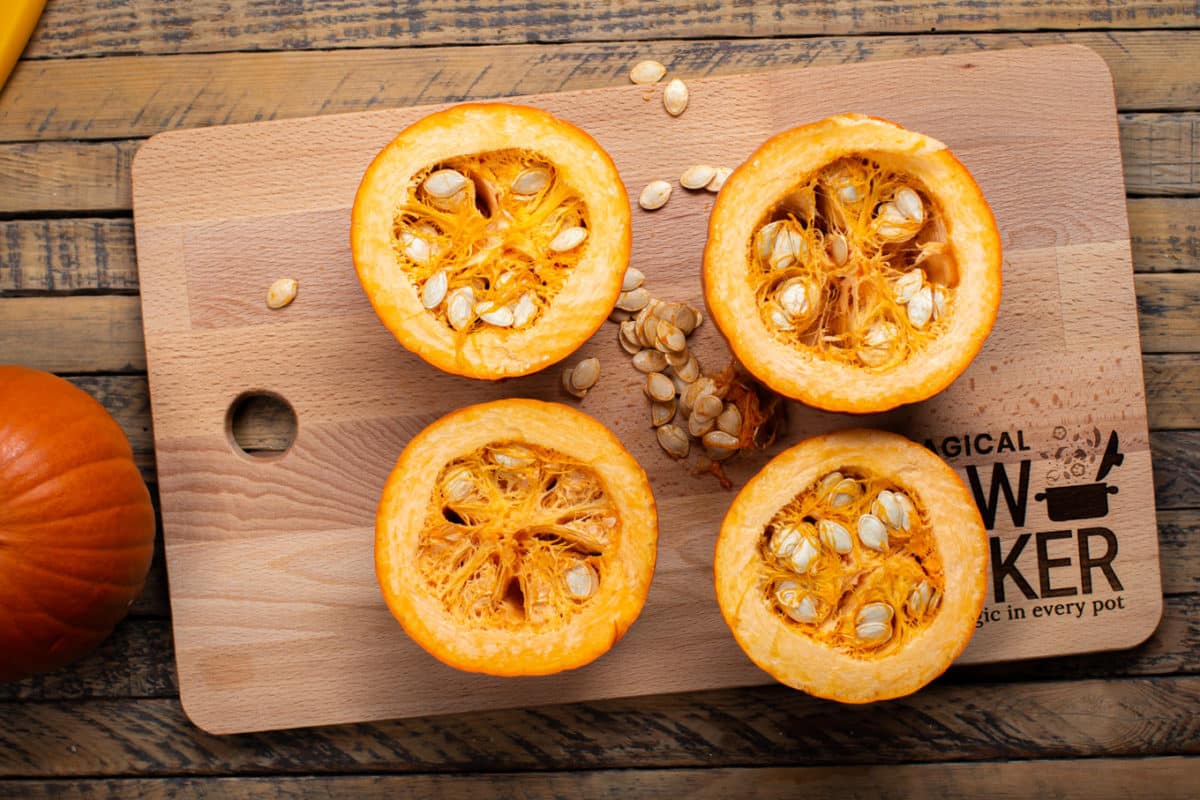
point(1172, 389)
point(1165, 233)
point(78, 27)
point(127, 96)
point(88, 177)
point(1096, 779)
point(1176, 457)
point(761, 726)
point(74, 176)
point(73, 334)
point(104, 333)
point(1179, 551)
point(1166, 312)
point(67, 255)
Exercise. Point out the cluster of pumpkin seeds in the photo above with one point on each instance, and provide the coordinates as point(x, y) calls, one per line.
point(516, 535)
point(489, 238)
point(852, 561)
point(854, 264)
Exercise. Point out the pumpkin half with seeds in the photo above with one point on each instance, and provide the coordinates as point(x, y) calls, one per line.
point(491, 238)
point(853, 265)
point(516, 538)
point(853, 566)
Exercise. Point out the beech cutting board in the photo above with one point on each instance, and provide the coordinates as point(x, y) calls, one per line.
point(278, 618)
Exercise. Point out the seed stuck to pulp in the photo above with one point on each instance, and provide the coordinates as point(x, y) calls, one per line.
point(877, 591)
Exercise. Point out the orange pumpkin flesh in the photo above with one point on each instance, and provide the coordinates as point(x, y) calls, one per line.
point(76, 523)
point(465, 236)
point(516, 538)
point(870, 611)
point(853, 265)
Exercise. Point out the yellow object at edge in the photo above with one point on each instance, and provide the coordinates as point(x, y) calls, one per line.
point(17, 20)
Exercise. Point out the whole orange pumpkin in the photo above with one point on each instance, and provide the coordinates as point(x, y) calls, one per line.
point(76, 523)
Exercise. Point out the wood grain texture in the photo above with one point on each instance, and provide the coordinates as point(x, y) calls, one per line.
point(76, 27)
point(1171, 297)
point(748, 727)
point(219, 214)
point(1177, 469)
point(1166, 233)
point(1098, 779)
point(67, 255)
point(93, 177)
point(126, 97)
point(1172, 386)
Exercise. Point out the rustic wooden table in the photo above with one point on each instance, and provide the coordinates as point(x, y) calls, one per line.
point(98, 78)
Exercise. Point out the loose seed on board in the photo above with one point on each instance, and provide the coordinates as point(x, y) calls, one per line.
point(674, 440)
point(697, 176)
point(635, 300)
point(628, 338)
point(668, 338)
point(718, 179)
point(698, 425)
point(730, 420)
point(659, 387)
point(680, 384)
point(690, 370)
point(632, 280)
point(581, 581)
point(708, 407)
point(568, 239)
point(872, 533)
point(719, 453)
point(282, 292)
point(719, 439)
point(585, 375)
point(649, 361)
point(662, 412)
point(655, 195)
point(675, 97)
point(647, 72)
point(531, 181)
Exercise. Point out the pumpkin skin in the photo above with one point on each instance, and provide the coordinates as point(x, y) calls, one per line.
point(510, 641)
point(755, 191)
point(790, 651)
point(474, 133)
point(76, 524)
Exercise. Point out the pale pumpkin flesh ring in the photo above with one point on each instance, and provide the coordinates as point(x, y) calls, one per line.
point(516, 538)
point(491, 239)
point(853, 265)
point(853, 566)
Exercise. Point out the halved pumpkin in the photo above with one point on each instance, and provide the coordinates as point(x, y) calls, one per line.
point(853, 566)
point(853, 265)
point(516, 538)
point(491, 238)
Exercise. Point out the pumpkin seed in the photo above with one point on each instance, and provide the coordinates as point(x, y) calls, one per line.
point(835, 536)
point(633, 279)
point(698, 425)
point(839, 250)
point(581, 581)
point(531, 181)
point(680, 384)
point(501, 317)
point(513, 456)
point(874, 612)
point(719, 453)
point(907, 285)
point(690, 370)
point(524, 310)
point(708, 407)
point(647, 72)
point(662, 412)
point(918, 599)
point(459, 305)
point(655, 195)
point(803, 558)
point(445, 183)
point(872, 533)
point(940, 297)
point(585, 374)
point(649, 361)
point(783, 542)
point(674, 440)
point(798, 607)
point(888, 509)
point(920, 307)
point(874, 632)
point(633, 301)
point(659, 387)
point(668, 338)
point(845, 492)
point(698, 176)
point(719, 439)
point(675, 97)
point(720, 175)
point(789, 247)
point(730, 420)
point(415, 248)
point(568, 239)
point(628, 337)
point(282, 292)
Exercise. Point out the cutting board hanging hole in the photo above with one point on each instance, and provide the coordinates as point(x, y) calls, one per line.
point(261, 424)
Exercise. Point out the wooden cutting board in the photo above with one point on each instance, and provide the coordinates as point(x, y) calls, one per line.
point(278, 619)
